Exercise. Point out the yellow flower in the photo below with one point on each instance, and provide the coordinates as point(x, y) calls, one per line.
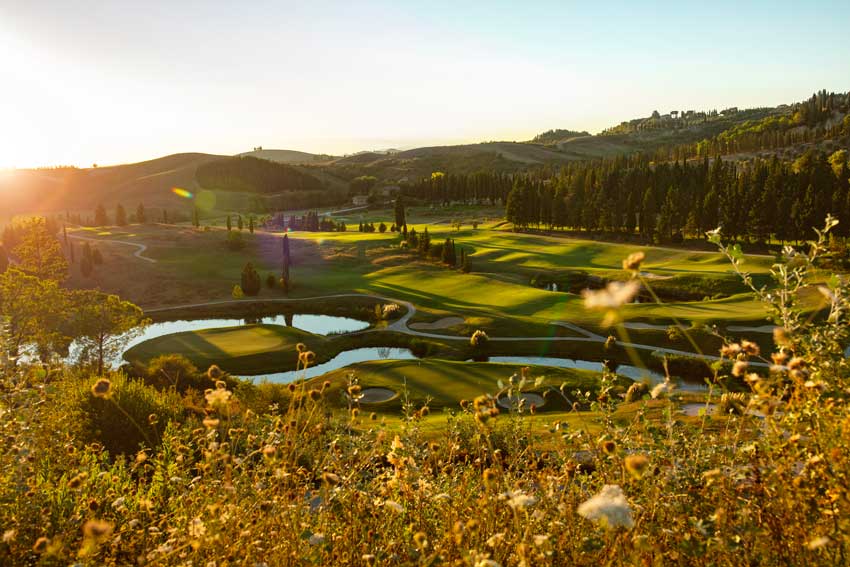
point(102, 388)
point(633, 261)
point(636, 465)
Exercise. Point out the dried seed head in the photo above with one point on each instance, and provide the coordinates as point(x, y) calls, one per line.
point(102, 388)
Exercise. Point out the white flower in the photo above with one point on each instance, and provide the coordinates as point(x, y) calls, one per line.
point(495, 539)
point(519, 500)
point(118, 502)
point(197, 529)
point(614, 295)
point(487, 563)
point(317, 539)
point(609, 507)
point(660, 389)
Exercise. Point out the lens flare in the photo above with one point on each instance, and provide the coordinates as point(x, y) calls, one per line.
point(181, 192)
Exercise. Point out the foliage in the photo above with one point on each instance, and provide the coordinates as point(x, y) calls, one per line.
point(103, 325)
point(250, 174)
point(39, 252)
point(251, 283)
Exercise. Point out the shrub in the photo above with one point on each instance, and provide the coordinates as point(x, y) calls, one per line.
point(271, 281)
point(131, 415)
point(176, 371)
point(250, 280)
point(237, 292)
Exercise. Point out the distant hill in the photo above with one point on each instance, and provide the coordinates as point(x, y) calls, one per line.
point(819, 122)
point(289, 156)
point(56, 190)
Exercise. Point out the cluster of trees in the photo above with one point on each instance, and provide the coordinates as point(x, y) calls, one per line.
point(557, 135)
point(312, 222)
point(446, 252)
point(240, 223)
point(40, 318)
point(443, 188)
point(665, 202)
point(254, 175)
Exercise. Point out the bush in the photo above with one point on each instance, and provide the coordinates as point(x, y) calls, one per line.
point(175, 371)
point(132, 416)
point(271, 281)
point(250, 280)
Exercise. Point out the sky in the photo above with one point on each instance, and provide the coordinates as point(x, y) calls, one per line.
point(107, 82)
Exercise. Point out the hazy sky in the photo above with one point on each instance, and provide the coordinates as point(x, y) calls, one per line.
point(115, 81)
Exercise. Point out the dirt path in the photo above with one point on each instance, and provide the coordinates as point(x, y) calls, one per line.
point(138, 253)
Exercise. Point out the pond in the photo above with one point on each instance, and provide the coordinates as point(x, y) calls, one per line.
point(339, 361)
point(633, 372)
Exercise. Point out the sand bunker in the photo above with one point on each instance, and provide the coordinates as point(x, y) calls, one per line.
point(443, 323)
point(376, 395)
point(530, 399)
point(650, 276)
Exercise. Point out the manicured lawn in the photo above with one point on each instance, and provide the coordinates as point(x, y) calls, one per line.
point(444, 383)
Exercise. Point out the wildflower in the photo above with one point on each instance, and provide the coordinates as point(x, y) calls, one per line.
point(487, 563)
point(300, 347)
point(781, 337)
point(97, 530)
point(306, 358)
point(750, 348)
point(519, 500)
point(779, 358)
point(660, 389)
point(102, 388)
point(818, 542)
point(211, 423)
point(368, 559)
point(489, 476)
point(397, 444)
point(315, 395)
point(495, 539)
point(316, 539)
point(633, 261)
point(354, 390)
point(77, 480)
point(609, 507)
point(9, 536)
point(421, 540)
point(214, 372)
point(541, 540)
point(608, 447)
point(330, 478)
point(636, 465)
point(739, 368)
point(479, 338)
point(615, 294)
point(731, 350)
point(197, 529)
point(218, 398)
point(118, 503)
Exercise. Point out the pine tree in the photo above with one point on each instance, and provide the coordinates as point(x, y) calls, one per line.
point(229, 226)
point(251, 224)
point(120, 215)
point(239, 224)
point(424, 242)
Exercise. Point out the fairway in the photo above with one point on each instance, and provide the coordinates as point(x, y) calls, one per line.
point(443, 383)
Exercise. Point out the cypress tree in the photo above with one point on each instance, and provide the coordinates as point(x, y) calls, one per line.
point(251, 224)
point(229, 225)
point(239, 224)
point(120, 215)
point(286, 263)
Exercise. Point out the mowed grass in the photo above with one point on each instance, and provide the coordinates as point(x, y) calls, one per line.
point(496, 296)
point(250, 349)
point(444, 383)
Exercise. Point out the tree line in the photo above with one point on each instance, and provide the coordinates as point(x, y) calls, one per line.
point(754, 200)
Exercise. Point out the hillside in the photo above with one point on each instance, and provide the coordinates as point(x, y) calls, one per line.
point(292, 157)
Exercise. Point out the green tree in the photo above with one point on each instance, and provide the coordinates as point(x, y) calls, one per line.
point(251, 224)
point(382, 228)
point(229, 225)
point(39, 252)
point(251, 282)
point(400, 217)
point(33, 310)
point(287, 262)
point(239, 224)
point(141, 216)
point(104, 324)
point(100, 218)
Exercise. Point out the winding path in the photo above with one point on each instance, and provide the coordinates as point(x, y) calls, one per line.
point(138, 253)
